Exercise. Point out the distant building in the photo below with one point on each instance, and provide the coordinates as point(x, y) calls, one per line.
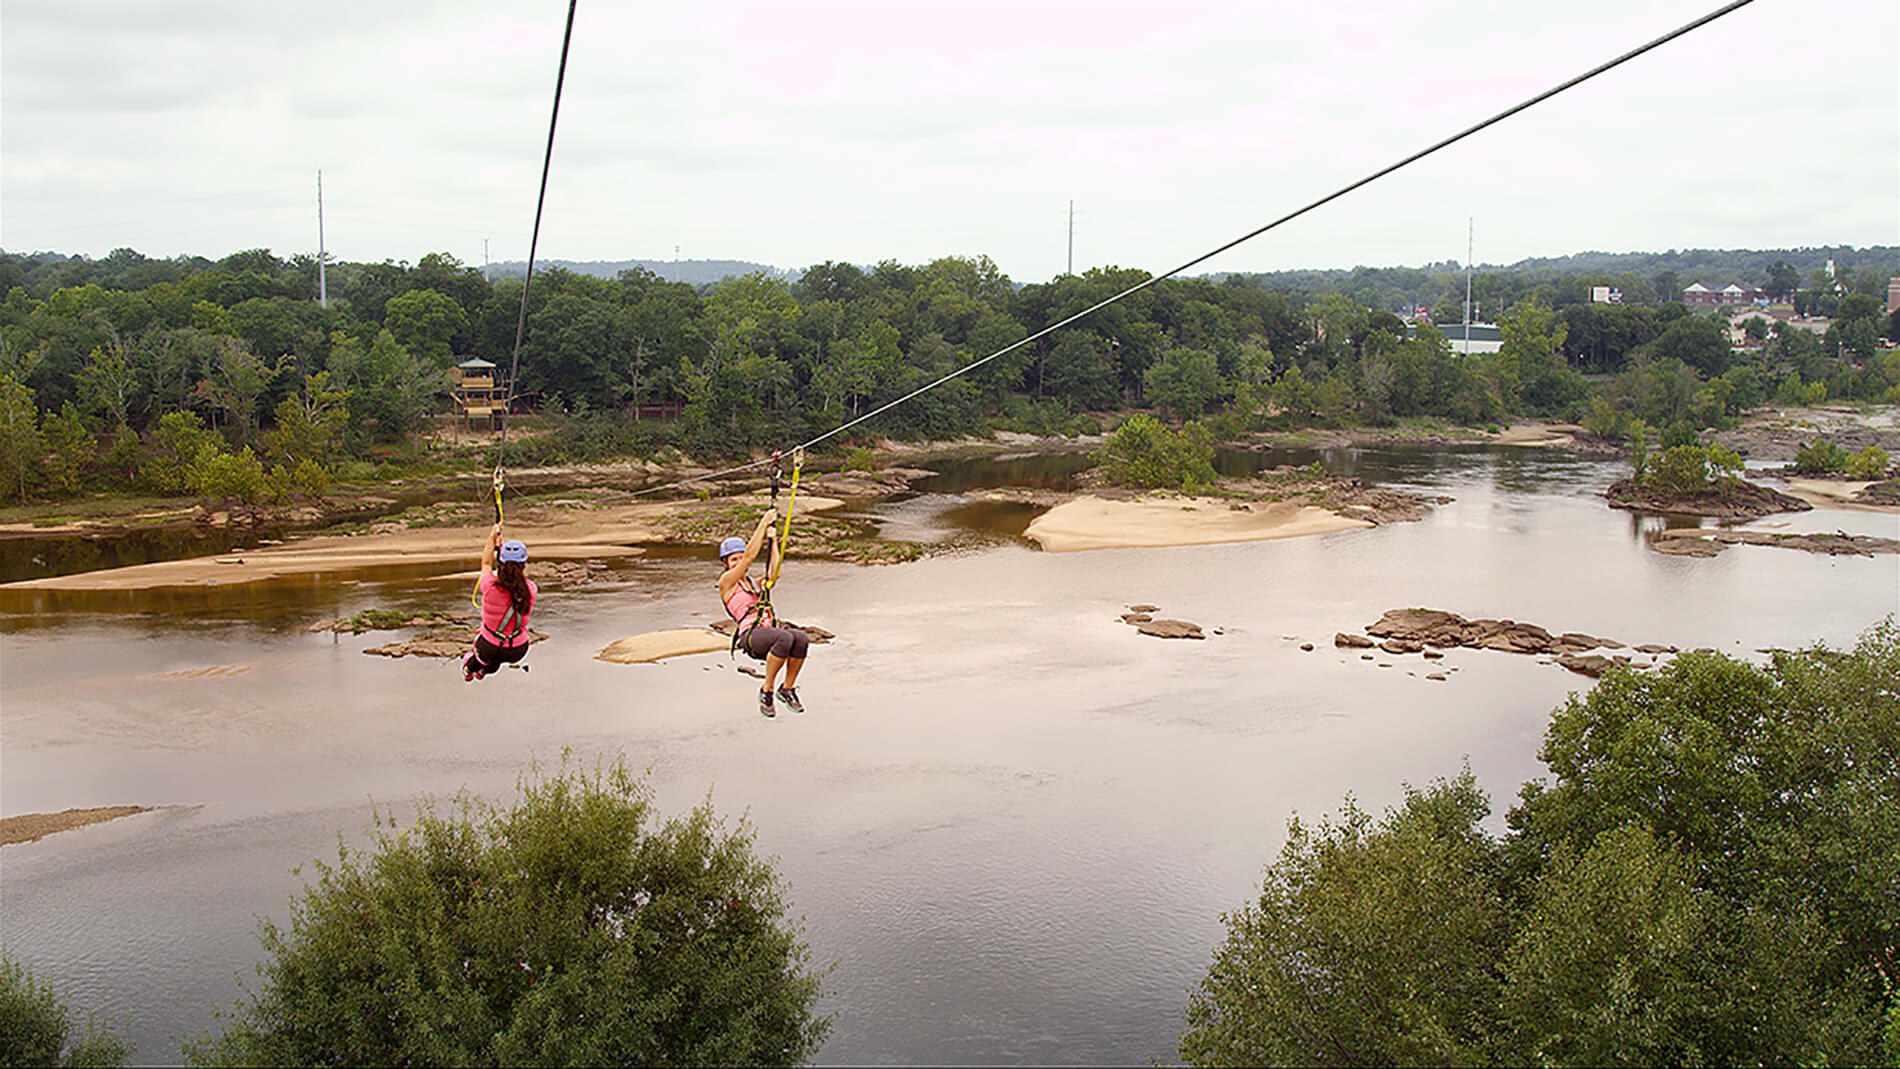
point(1606, 295)
point(478, 389)
point(1893, 295)
point(1484, 337)
point(1696, 295)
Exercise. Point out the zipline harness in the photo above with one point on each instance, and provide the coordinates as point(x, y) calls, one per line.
point(762, 608)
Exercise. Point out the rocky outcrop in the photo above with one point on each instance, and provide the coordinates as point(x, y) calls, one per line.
point(440, 642)
point(1427, 631)
point(1695, 542)
point(1735, 499)
point(1141, 619)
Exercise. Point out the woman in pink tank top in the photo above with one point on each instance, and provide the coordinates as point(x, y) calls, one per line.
point(507, 598)
point(782, 648)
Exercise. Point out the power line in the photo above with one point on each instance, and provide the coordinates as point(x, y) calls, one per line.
point(534, 239)
point(1529, 102)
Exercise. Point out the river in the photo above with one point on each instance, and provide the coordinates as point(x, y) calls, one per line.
point(1009, 823)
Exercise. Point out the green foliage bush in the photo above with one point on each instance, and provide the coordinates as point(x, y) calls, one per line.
point(1689, 469)
point(234, 477)
point(1820, 457)
point(177, 451)
point(36, 1028)
point(861, 459)
point(1705, 877)
point(1146, 454)
point(563, 930)
point(1869, 463)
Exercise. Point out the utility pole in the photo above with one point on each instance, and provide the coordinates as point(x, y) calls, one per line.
point(323, 283)
point(1071, 237)
point(1470, 230)
point(484, 259)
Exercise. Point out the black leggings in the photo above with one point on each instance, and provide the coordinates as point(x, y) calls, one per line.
point(786, 642)
point(488, 657)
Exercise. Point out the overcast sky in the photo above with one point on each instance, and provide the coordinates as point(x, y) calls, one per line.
point(792, 133)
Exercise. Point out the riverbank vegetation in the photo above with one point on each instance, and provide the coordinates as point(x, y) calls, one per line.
point(36, 1028)
point(1707, 875)
point(231, 381)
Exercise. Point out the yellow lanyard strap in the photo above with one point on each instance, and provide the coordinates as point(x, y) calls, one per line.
point(476, 597)
point(785, 528)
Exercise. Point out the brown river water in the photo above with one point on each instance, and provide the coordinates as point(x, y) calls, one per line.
point(1010, 821)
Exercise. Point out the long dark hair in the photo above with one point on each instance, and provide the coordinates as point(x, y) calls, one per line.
point(511, 575)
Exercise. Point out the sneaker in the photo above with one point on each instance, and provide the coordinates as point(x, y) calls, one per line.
point(765, 704)
point(468, 672)
point(790, 697)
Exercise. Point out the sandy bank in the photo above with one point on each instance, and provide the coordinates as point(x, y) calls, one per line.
point(27, 827)
point(659, 645)
point(1836, 494)
point(1097, 523)
point(613, 531)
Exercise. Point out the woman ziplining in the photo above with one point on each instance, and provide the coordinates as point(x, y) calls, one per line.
point(507, 599)
point(504, 593)
point(756, 625)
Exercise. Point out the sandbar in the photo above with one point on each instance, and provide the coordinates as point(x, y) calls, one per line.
point(614, 531)
point(1835, 494)
point(659, 645)
point(1097, 523)
point(28, 827)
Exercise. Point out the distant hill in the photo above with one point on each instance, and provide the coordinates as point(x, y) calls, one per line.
point(692, 272)
point(1713, 267)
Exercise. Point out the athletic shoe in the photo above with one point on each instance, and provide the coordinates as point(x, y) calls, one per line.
point(468, 672)
point(790, 697)
point(765, 704)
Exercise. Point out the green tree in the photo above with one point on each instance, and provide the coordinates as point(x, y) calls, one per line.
point(563, 930)
point(177, 450)
point(70, 447)
point(21, 442)
point(424, 321)
point(1783, 280)
point(1184, 383)
point(36, 1027)
point(310, 424)
point(1367, 945)
point(1705, 877)
point(1145, 453)
point(236, 384)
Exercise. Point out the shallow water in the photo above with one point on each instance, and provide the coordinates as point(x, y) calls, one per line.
point(1012, 822)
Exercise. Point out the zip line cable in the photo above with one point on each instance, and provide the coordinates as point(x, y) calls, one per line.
point(534, 238)
point(1250, 235)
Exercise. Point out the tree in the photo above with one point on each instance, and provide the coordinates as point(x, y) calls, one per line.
point(1145, 453)
point(1783, 280)
point(1706, 877)
point(563, 930)
point(69, 448)
point(21, 442)
point(1184, 383)
point(1367, 945)
point(177, 450)
point(236, 384)
point(36, 1028)
point(424, 321)
point(1079, 370)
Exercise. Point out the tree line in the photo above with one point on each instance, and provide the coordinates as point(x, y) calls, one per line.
point(231, 378)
